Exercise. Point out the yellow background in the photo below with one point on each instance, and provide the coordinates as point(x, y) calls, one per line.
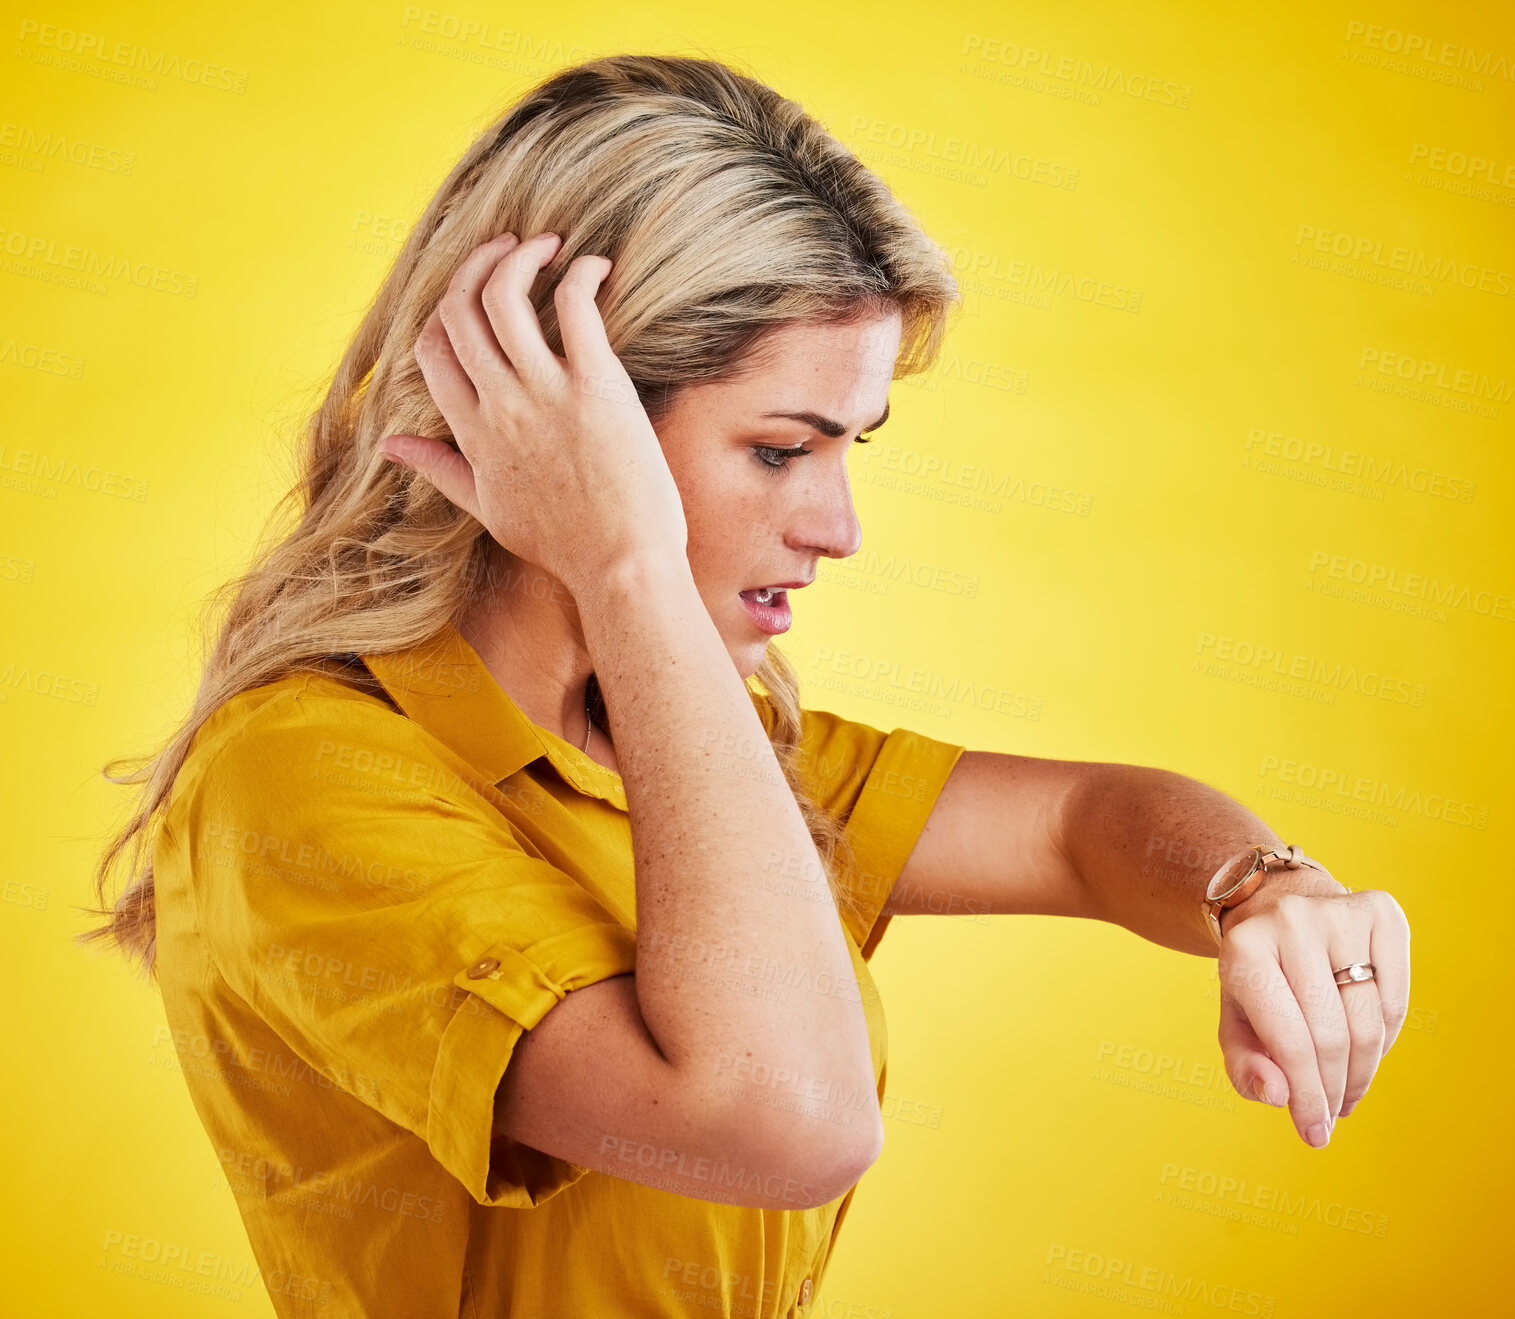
point(1030, 1116)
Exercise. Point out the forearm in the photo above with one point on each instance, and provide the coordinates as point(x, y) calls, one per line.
point(1145, 843)
point(716, 931)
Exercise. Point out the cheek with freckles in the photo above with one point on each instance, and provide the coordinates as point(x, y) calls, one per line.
point(708, 558)
point(729, 543)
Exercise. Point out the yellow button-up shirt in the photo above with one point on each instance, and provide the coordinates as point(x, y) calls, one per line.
point(365, 893)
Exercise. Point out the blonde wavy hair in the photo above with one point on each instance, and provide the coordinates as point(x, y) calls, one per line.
point(727, 211)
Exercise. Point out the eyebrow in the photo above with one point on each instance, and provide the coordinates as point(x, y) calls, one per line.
point(825, 425)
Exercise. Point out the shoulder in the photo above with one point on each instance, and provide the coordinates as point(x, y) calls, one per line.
point(843, 759)
point(835, 757)
point(305, 800)
point(299, 707)
point(279, 740)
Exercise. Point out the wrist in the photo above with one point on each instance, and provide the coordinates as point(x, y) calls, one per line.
point(1309, 880)
point(634, 578)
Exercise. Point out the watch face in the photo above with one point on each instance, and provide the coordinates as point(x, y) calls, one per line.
point(1232, 874)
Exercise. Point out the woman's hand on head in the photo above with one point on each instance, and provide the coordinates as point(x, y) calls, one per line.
point(555, 455)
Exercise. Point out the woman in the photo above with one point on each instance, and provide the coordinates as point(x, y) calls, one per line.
point(512, 916)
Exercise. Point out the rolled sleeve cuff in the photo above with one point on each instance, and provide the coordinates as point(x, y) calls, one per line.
point(896, 801)
point(494, 1007)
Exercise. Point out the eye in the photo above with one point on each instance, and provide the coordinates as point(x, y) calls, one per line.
point(779, 458)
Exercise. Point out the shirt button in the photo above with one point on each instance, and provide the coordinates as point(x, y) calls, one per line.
point(483, 967)
point(805, 1292)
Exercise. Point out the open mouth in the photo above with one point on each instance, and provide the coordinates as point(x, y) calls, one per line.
point(767, 595)
point(768, 607)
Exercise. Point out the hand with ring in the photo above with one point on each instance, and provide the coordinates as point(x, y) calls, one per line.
point(1315, 985)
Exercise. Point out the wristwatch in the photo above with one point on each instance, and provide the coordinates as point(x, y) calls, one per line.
point(1239, 876)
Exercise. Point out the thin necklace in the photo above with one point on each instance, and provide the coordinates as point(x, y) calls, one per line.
point(588, 719)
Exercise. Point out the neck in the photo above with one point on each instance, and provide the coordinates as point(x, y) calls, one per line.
point(525, 628)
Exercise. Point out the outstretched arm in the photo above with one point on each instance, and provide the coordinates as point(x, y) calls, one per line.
point(1136, 846)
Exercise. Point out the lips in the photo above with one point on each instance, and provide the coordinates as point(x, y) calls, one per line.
point(768, 606)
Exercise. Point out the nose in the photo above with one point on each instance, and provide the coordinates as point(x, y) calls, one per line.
point(824, 520)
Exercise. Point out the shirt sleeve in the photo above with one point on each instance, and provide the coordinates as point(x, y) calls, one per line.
point(884, 787)
point(370, 903)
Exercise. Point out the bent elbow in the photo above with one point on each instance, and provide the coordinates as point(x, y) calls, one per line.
point(817, 1158)
point(864, 1150)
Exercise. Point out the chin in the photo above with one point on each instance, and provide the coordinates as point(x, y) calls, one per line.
point(748, 657)
point(751, 661)
point(746, 646)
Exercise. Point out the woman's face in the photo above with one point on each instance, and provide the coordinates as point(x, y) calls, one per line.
point(756, 517)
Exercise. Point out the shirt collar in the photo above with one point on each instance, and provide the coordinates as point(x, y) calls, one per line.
point(445, 687)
